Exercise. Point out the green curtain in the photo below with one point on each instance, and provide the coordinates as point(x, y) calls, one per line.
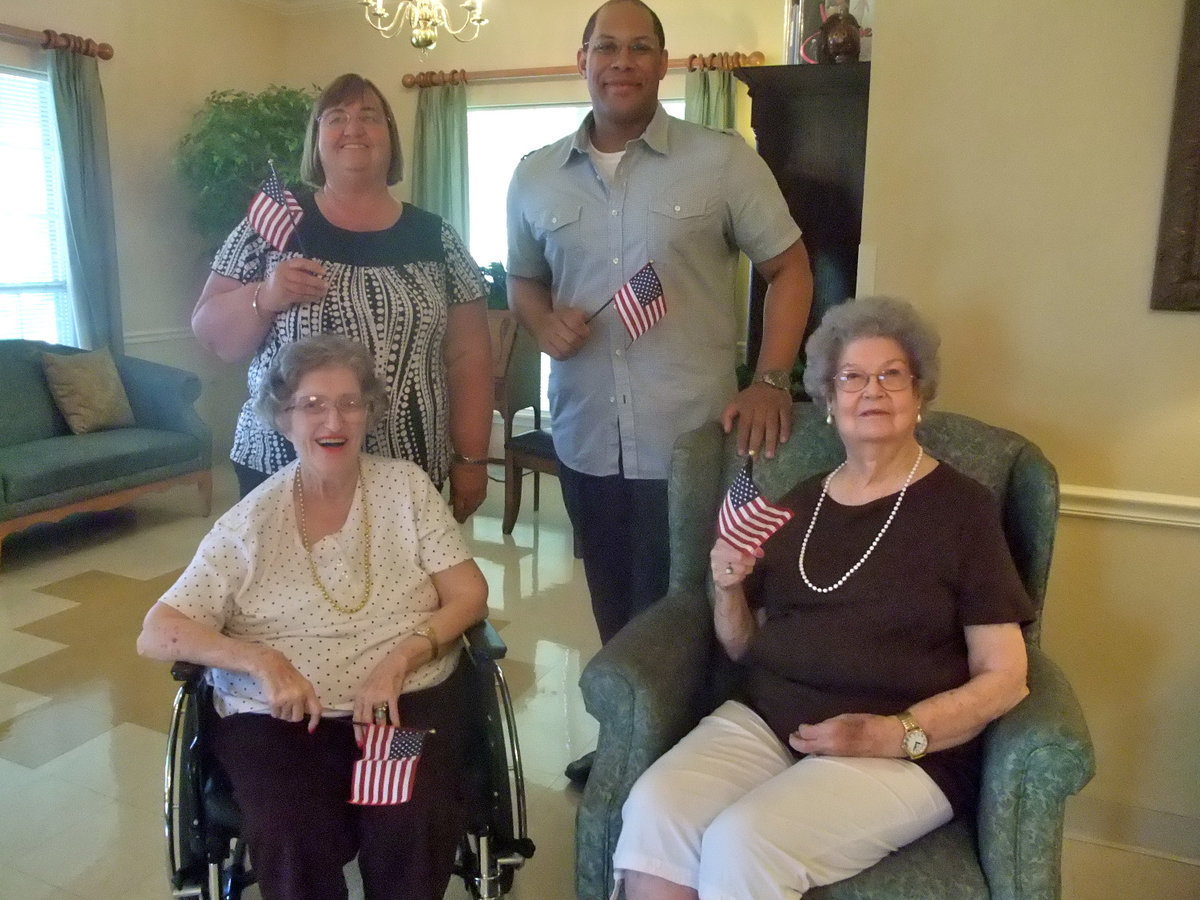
point(440, 155)
point(708, 98)
point(87, 199)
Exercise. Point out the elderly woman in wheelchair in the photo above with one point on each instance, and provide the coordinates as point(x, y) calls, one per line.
point(332, 597)
point(878, 633)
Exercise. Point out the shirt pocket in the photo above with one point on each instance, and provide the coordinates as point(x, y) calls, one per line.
point(676, 222)
point(561, 228)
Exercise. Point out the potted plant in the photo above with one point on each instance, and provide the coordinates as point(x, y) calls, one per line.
point(223, 157)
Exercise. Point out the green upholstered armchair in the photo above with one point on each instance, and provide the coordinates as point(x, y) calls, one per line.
point(652, 683)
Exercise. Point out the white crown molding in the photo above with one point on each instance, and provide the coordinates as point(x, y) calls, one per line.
point(1144, 508)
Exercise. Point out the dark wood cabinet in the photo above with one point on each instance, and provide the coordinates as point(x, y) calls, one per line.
point(810, 124)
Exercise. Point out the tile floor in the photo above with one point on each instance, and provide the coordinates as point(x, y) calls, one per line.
point(82, 718)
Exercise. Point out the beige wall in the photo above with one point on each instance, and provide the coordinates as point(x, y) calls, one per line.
point(1014, 171)
point(1014, 174)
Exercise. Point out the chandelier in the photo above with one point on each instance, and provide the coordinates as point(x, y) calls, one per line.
point(425, 16)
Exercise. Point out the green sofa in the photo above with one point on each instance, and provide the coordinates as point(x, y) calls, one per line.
point(47, 472)
point(652, 682)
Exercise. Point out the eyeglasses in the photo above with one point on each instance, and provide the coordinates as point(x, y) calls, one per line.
point(339, 118)
point(607, 49)
point(317, 406)
point(891, 379)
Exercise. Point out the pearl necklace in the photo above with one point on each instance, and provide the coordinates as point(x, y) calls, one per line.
point(366, 538)
point(862, 559)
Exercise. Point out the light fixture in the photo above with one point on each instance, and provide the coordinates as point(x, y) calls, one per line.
point(426, 16)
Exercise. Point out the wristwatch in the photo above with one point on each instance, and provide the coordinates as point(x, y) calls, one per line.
point(916, 741)
point(776, 378)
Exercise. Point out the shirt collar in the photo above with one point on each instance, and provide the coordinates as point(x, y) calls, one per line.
point(654, 137)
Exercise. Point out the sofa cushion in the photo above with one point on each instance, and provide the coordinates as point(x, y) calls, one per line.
point(87, 390)
point(27, 411)
point(55, 464)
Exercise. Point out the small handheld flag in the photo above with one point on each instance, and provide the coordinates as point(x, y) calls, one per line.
point(746, 519)
point(384, 776)
point(274, 213)
point(640, 301)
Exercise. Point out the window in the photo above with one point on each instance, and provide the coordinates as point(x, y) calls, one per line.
point(35, 299)
point(497, 138)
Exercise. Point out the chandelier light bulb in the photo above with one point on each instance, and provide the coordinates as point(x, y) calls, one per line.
point(424, 17)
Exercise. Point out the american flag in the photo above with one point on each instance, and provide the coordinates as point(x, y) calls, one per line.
point(640, 301)
point(384, 776)
point(274, 212)
point(747, 519)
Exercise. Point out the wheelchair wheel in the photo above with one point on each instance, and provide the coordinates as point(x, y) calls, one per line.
point(206, 858)
point(496, 843)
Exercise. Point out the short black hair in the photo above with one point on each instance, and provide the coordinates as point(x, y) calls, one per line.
point(658, 28)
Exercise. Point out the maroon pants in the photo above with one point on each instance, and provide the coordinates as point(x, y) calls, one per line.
point(294, 789)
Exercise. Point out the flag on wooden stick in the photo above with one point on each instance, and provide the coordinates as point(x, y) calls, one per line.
point(384, 776)
point(747, 519)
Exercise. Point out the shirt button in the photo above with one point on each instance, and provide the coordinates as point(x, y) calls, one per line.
point(612, 399)
point(616, 212)
point(616, 260)
point(618, 353)
point(677, 208)
point(554, 219)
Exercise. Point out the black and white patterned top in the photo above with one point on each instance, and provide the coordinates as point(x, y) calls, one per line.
point(389, 289)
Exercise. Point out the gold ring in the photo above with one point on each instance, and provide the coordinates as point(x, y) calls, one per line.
point(381, 713)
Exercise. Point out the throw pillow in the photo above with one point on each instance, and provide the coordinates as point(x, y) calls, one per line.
point(87, 390)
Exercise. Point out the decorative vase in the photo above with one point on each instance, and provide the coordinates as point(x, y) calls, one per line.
point(839, 39)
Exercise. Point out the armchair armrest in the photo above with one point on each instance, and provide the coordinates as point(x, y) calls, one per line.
point(647, 687)
point(1035, 757)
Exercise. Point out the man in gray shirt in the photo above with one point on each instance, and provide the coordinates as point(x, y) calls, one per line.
point(632, 186)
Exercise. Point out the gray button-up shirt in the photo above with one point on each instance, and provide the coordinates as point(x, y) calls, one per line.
point(688, 199)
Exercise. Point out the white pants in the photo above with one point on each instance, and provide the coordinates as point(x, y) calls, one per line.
point(729, 813)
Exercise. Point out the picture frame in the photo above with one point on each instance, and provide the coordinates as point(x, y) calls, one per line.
point(1176, 283)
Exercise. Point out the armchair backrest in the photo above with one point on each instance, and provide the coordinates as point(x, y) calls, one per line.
point(705, 463)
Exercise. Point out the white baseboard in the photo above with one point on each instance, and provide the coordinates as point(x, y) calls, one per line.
point(1149, 831)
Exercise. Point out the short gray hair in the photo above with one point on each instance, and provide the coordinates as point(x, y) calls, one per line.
point(871, 317)
point(319, 351)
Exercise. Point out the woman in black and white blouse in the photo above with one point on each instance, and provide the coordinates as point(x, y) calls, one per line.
point(387, 274)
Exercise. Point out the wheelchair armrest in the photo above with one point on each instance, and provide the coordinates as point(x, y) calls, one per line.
point(190, 673)
point(484, 642)
point(1035, 757)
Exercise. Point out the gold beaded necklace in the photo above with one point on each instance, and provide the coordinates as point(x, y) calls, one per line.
point(366, 538)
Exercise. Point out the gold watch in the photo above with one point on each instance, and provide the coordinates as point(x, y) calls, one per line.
point(916, 742)
point(776, 378)
point(426, 631)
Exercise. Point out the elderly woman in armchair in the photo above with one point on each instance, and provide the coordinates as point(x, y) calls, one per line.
point(879, 633)
point(333, 595)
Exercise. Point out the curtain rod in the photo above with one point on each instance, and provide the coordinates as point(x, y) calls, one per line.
point(52, 40)
point(691, 63)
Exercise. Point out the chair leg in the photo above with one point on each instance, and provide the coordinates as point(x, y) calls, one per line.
point(537, 490)
point(512, 492)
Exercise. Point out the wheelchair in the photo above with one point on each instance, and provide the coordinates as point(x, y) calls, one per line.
point(208, 859)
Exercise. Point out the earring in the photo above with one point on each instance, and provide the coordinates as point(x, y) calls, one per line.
point(919, 417)
point(828, 416)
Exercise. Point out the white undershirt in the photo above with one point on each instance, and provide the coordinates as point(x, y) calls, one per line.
point(605, 163)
